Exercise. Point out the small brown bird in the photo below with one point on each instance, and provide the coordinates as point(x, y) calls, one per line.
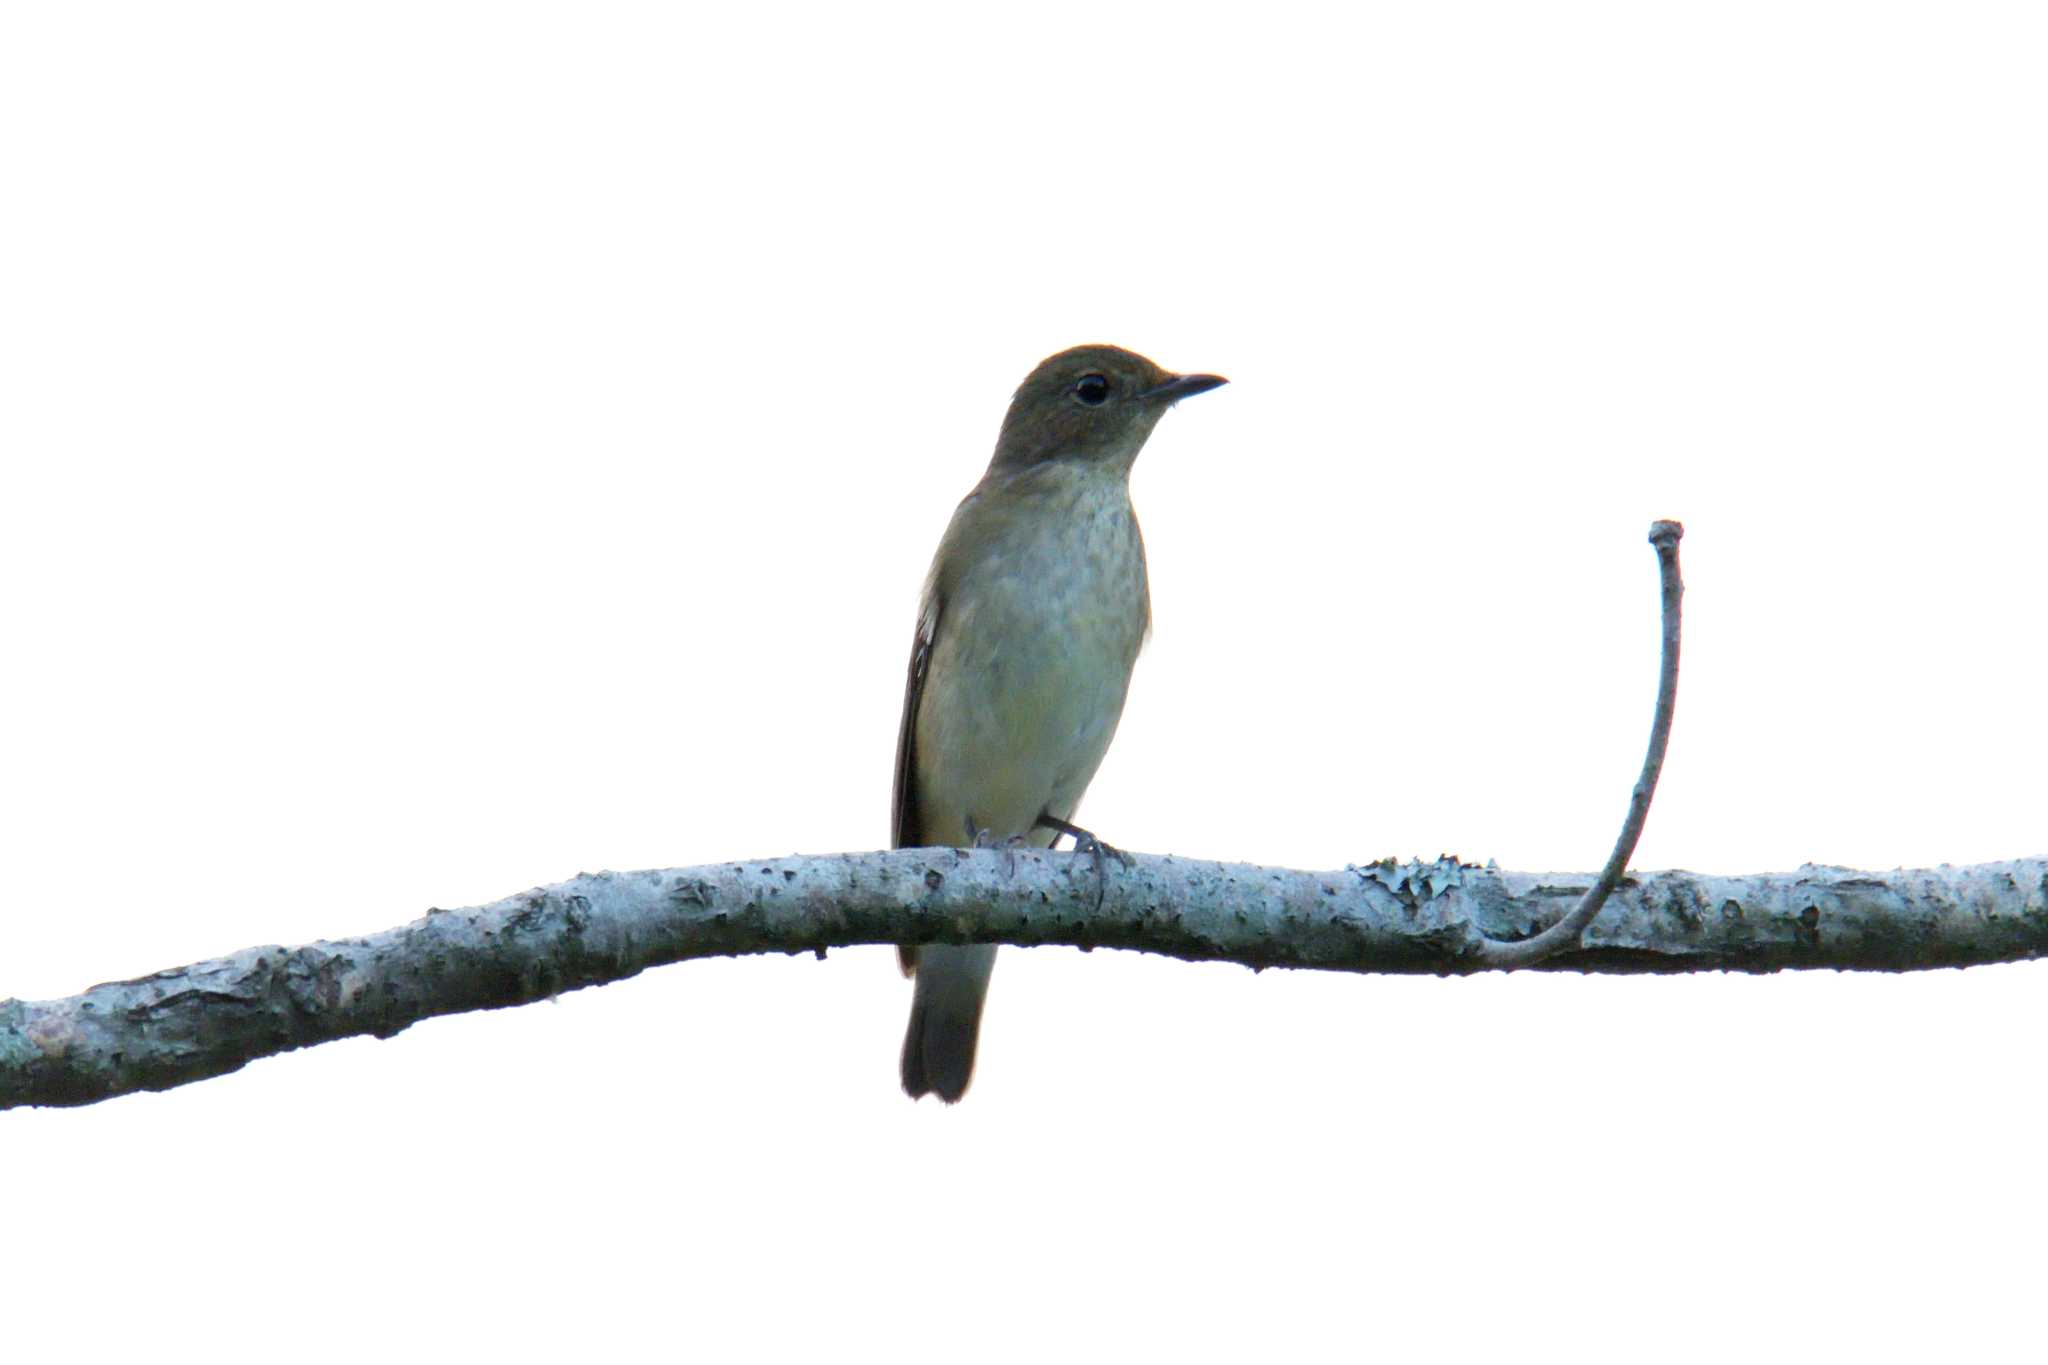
point(1033, 614)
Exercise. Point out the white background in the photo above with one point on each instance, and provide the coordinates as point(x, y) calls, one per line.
point(451, 447)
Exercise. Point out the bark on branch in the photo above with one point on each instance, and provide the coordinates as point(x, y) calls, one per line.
point(214, 1017)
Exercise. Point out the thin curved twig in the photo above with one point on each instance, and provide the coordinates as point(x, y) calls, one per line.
point(1566, 933)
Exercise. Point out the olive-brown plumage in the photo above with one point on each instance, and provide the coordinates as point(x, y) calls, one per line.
point(1032, 617)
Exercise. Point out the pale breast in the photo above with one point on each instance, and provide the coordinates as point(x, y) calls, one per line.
point(1033, 656)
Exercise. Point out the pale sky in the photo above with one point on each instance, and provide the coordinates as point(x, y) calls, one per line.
point(450, 447)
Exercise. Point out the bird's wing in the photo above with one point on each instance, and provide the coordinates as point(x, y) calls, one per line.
point(906, 827)
point(906, 822)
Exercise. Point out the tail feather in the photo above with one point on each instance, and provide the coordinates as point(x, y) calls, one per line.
point(945, 1019)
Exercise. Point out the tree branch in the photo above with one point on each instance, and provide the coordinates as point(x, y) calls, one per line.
point(1444, 917)
point(214, 1017)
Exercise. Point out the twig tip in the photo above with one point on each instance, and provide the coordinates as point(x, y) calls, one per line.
point(1664, 533)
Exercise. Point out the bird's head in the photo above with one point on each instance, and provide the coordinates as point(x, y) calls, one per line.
point(1091, 403)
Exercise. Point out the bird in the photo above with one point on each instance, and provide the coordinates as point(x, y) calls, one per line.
point(1031, 618)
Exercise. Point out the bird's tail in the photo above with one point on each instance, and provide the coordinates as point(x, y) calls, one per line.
point(945, 1018)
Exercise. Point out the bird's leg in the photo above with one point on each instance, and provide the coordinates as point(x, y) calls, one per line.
point(986, 839)
point(1084, 842)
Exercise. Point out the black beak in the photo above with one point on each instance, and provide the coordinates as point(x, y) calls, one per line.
point(1183, 386)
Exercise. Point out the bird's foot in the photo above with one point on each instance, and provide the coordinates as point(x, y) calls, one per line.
point(1085, 842)
point(987, 839)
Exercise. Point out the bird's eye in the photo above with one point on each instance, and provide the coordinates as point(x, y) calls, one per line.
point(1092, 389)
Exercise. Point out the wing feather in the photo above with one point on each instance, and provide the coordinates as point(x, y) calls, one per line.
point(906, 819)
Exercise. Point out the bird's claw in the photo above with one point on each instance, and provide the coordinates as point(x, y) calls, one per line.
point(1099, 851)
point(1088, 843)
point(985, 839)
